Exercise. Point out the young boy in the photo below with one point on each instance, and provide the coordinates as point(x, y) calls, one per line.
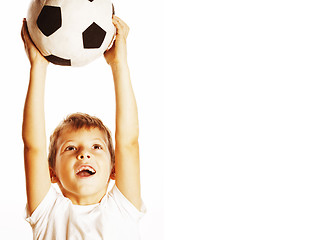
point(82, 160)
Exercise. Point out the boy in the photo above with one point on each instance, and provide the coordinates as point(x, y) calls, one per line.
point(81, 160)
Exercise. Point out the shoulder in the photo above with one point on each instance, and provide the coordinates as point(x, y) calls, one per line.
point(52, 201)
point(116, 201)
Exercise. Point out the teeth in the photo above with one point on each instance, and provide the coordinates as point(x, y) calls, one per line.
point(88, 168)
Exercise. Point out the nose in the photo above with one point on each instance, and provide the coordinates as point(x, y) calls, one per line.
point(83, 156)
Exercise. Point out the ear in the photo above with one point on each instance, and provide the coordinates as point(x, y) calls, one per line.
point(112, 175)
point(53, 176)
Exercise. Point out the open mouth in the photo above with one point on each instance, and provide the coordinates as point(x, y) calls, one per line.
point(85, 171)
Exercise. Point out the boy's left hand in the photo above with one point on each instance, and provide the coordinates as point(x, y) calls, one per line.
point(118, 52)
point(32, 52)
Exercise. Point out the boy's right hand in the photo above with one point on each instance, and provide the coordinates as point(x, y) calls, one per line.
point(32, 52)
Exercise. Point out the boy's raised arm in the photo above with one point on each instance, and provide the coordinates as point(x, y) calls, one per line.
point(33, 130)
point(127, 166)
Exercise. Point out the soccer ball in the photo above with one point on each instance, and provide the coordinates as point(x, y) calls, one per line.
point(71, 32)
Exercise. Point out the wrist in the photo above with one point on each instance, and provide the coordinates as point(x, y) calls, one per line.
point(118, 64)
point(38, 71)
point(40, 64)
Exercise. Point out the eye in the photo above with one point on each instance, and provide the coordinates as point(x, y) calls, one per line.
point(97, 147)
point(70, 148)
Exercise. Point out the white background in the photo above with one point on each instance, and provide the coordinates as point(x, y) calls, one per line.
point(237, 97)
point(223, 95)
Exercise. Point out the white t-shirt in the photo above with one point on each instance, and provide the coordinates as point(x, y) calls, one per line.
point(114, 218)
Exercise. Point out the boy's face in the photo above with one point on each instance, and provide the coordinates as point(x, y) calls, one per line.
point(83, 165)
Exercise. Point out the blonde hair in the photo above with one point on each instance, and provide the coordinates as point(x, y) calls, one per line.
point(78, 121)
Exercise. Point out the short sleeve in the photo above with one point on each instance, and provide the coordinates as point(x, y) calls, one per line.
point(42, 211)
point(126, 206)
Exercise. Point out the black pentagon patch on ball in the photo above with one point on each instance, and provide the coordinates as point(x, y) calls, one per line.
point(91, 0)
point(58, 60)
point(93, 36)
point(49, 20)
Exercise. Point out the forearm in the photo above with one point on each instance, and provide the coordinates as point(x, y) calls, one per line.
point(127, 125)
point(33, 131)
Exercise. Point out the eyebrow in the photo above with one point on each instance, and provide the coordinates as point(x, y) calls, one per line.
point(101, 140)
point(63, 144)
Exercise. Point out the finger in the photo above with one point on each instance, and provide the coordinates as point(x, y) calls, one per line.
point(22, 33)
point(116, 22)
point(25, 33)
point(115, 17)
point(120, 22)
point(117, 27)
point(27, 39)
point(121, 27)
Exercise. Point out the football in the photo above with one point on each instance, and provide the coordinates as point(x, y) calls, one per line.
point(71, 32)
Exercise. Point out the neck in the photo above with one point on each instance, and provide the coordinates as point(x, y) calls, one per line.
point(84, 199)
